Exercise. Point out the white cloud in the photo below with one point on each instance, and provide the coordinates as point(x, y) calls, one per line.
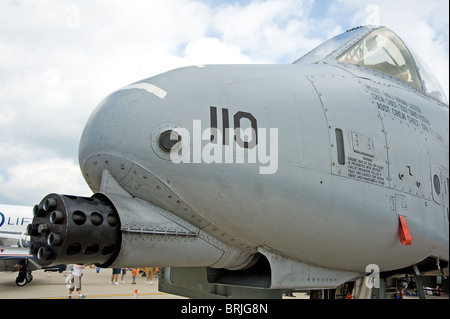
point(213, 51)
point(32, 173)
point(59, 59)
point(30, 181)
point(268, 30)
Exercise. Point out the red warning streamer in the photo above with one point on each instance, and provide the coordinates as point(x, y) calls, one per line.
point(403, 232)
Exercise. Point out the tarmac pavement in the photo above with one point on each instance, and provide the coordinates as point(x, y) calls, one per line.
point(94, 285)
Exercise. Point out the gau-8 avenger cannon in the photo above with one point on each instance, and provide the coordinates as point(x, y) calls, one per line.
point(328, 174)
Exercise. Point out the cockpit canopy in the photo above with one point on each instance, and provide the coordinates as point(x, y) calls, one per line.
point(383, 51)
point(379, 49)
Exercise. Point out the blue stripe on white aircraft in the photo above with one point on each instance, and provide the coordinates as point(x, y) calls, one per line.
point(14, 242)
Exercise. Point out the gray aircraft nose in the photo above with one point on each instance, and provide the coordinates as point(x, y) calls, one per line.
point(120, 127)
point(140, 132)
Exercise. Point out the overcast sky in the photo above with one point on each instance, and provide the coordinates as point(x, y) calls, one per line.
point(59, 59)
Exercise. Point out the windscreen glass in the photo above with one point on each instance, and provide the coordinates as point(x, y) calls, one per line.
point(382, 50)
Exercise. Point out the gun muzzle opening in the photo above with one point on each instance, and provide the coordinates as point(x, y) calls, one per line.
point(70, 228)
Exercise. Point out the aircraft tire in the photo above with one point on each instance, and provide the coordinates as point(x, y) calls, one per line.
point(21, 282)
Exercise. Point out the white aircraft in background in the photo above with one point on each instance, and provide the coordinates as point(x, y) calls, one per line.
point(14, 242)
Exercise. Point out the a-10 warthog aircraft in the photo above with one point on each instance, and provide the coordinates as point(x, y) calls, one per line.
point(329, 174)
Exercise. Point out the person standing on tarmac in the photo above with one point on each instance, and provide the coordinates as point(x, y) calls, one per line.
point(75, 282)
point(124, 272)
point(115, 276)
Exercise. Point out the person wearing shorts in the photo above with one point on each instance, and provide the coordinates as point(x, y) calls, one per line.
point(75, 282)
point(124, 272)
point(115, 276)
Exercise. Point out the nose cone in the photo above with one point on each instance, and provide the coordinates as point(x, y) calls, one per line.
point(120, 123)
point(123, 123)
point(118, 128)
point(133, 133)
